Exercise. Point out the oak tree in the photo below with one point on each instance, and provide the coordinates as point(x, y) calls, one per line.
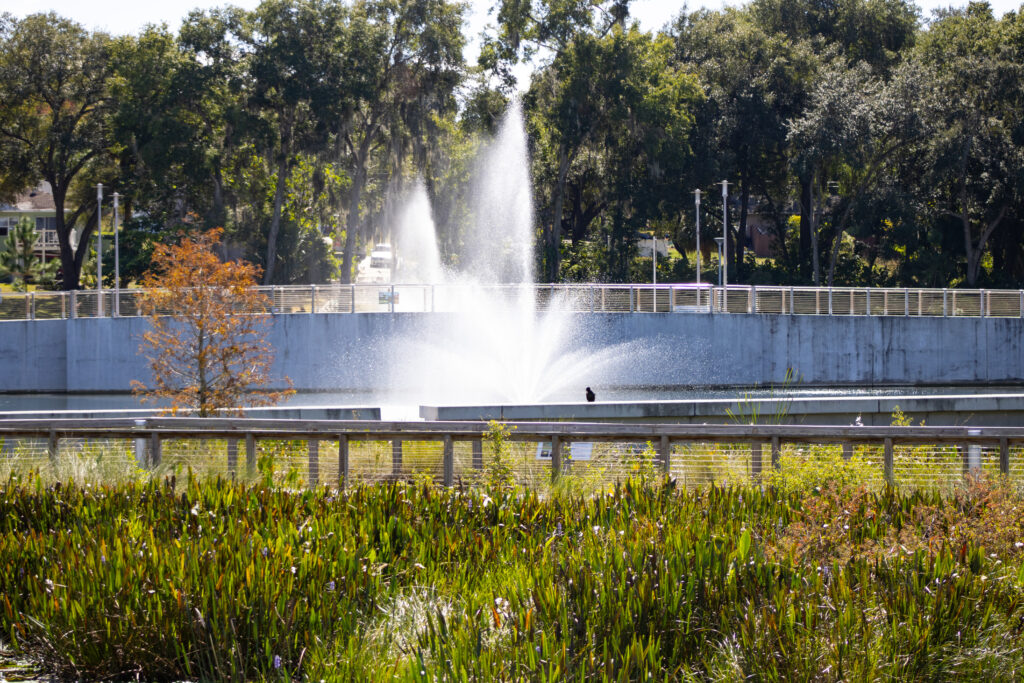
point(53, 123)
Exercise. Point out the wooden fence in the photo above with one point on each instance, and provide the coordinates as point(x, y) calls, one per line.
point(763, 443)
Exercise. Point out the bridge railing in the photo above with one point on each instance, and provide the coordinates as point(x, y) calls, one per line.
point(339, 453)
point(593, 298)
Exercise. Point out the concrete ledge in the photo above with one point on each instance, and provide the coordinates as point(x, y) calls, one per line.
point(942, 410)
point(271, 413)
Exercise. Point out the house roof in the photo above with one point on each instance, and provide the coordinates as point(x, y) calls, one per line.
point(36, 200)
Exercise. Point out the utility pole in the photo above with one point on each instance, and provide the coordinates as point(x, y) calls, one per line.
point(99, 249)
point(654, 258)
point(696, 201)
point(725, 245)
point(117, 260)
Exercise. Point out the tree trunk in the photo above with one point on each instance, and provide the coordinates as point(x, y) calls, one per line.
point(69, 269)
point(219, 214)
point(815, 251)
point(555, 238)
point(833, 256)
point(352, 222)
point(275, 221)
point(806, 209)
point(975, 253)
point(742, 237)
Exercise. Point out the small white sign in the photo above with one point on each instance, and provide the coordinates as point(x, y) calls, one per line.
point(581, 450)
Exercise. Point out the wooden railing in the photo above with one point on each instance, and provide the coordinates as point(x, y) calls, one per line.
point(765, 442)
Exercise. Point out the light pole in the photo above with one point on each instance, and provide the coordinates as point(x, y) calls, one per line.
point(654, 258)
point(718, 241)
point(117, 260)
point(725, 244)
point(696, 202)
point(99, 249)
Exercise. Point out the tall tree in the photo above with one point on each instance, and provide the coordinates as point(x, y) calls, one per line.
point(755, 82)
point(402, 64)
point(855, 130)
point(54, 120)
point(294, 64)
point(159, 127)
point(877, 32)
point(971, 175)
point(623, 113)
point(549, 29)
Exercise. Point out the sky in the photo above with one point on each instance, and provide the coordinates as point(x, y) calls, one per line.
point(128, 16)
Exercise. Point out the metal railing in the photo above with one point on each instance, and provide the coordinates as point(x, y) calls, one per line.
point(593, 298)
point(343, 452)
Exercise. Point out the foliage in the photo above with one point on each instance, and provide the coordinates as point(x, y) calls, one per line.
point(18, 260)
point(749, 409)
point(211, 580)
point(876, 148)
point(819, 468)
point(53, 124)
point(500, 472)
point(206, 344)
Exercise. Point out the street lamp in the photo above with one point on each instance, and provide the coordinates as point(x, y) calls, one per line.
point(99, 249)
point(117, 260)
point(696, 202)
point(654, 258)
point(725, 244)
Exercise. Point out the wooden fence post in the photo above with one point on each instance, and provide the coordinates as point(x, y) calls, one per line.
point(665, 454)
point(887, 461)
point(313, 449)
point(396, 458)
point(847, 450)
point(776, 452)
point(556, 457)
point(756, 461)
point(51, 447)
point(250, 454)
point(478, 454)
point(232, 457)
point(155, 450)
point(1004, 455)
point(449, 461)
point(343, 460)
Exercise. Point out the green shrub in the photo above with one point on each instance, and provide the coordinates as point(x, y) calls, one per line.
point(803, 470)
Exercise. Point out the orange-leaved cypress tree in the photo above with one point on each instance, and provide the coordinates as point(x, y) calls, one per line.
point(206, 344)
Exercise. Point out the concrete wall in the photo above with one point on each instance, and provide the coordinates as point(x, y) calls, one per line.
point(351, 351)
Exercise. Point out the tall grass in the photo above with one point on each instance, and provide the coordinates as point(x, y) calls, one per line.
point(209, 579)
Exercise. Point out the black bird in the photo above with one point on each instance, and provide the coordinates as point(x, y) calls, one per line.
point(591, 396)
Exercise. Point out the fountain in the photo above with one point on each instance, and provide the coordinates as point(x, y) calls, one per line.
point(489, 343)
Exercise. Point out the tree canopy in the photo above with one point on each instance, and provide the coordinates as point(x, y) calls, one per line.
point(863, 142)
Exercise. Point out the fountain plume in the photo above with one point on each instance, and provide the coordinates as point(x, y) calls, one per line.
point(490, 343)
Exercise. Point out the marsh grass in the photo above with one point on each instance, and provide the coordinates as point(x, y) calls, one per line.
point(202, 578)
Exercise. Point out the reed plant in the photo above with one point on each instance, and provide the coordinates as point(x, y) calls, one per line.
point(188, 578)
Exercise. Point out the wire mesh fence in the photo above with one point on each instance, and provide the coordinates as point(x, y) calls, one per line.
point(595, 298)
point(581, 464)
